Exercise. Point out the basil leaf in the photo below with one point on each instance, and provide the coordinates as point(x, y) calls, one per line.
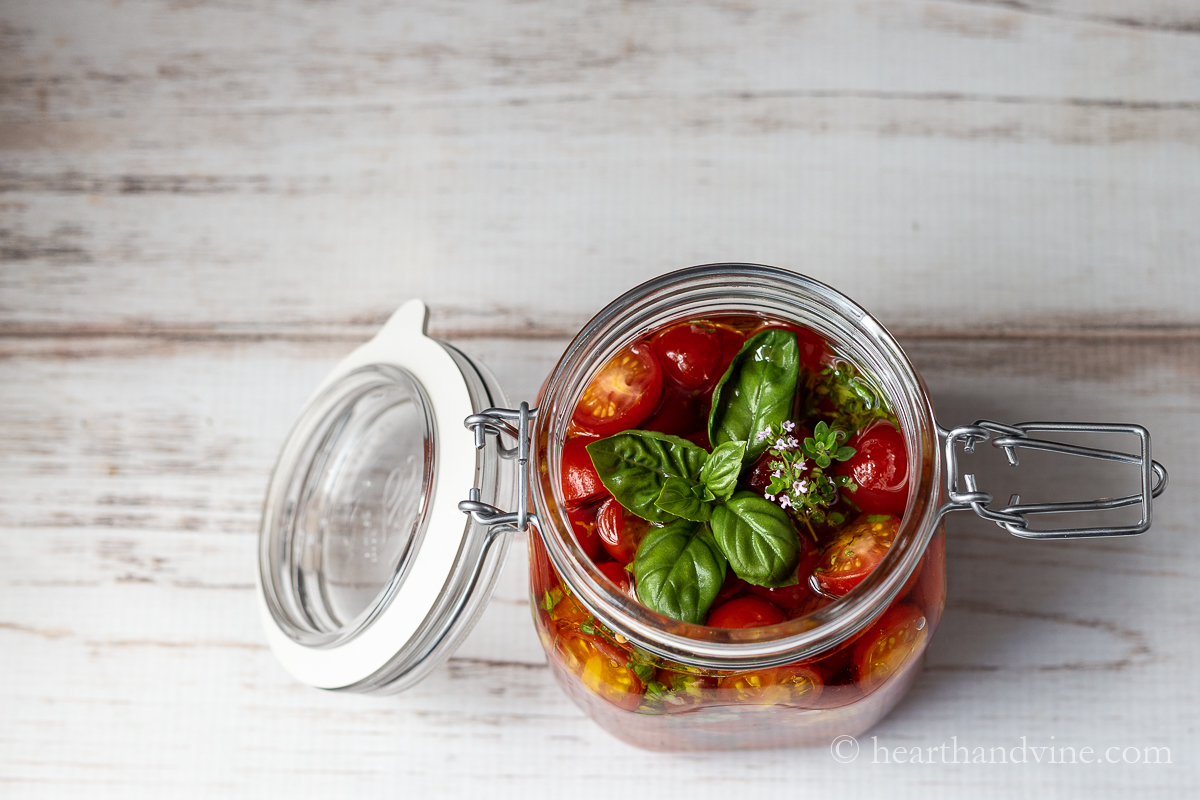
point(634, 465)
point(758, 539)
point(720, 472)
point(678, 497)
point(756, 391)
point(678, 570)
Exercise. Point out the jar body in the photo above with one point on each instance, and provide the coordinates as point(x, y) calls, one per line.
point(804, 703)
point(665, 684)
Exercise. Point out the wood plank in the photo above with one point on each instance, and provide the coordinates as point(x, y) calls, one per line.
point(954, 166)
point(134, 663)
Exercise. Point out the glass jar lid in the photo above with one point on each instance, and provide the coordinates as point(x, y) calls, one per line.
point(369, 574)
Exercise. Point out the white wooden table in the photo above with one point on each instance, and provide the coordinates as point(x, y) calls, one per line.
point(204, 205)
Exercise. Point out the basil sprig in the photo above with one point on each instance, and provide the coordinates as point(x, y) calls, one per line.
point(758, 539)
point(679, 570)
point(756, 391)
point(663, 478)
point(708, 524)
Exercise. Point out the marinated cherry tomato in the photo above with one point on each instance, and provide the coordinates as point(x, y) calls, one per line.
point(814, 352)
point(568, 613)
point(731, 344)
point(880, 468)
point(700, 439)
point(857, 550)
point(814, 602)
point(889, 644)
point(600, 665)
point(760, 475)
point(732, 585)
point(790, 598)
point(581, 484)
point(690, 353)
point(623, 393)
point(679, 413)
point(583, 523)
point(619, 576)
point(745, 612)
point(789, 685)
point(621, 531)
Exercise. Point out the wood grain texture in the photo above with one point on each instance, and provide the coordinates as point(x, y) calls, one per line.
point(1007, 165)
point(134, 662)
point(204, 205)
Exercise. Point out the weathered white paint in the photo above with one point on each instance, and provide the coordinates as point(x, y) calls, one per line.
point(204, 206)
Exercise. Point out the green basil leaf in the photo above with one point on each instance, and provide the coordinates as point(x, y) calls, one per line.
point(679, 498)
point(634, 465)
point(756, 391)
point(720, 472)
point(679, 569)
point(758, 539)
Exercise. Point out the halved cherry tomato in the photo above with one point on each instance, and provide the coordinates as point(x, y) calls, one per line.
point(581, 484)
point(814, 351)
point(789, 685)
point(623, 393)
point(620, 530)
point(569, 613)
point(880, 468)
point(689, 353)
point(745, 612)
point(790, 598)
point(895, 638)
point(583, 523)
point(857, 550)
point(600, 665)
point(619, 576)
point(680, 412)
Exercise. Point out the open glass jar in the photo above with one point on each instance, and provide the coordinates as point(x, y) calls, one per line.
point(370, 576)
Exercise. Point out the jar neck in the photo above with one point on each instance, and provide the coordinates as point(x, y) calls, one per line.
point(723, 289)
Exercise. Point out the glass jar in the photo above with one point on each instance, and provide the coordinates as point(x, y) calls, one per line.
point(368, 579)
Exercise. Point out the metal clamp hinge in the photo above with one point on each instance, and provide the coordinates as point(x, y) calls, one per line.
point(497, 421)
point(1013, 517)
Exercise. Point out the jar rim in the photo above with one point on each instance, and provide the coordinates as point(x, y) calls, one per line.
point(722, 289)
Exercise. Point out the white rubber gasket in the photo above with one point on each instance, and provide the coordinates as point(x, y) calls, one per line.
point(402, 342)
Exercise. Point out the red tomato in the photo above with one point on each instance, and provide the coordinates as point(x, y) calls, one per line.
point(732, 585)
point(700, 439)
point(600, 665)
point(745, 612)
point(583, 523)
point(690, 353)
point(857, 550)
point(622, 394)
point(895, 638)
point(731, 342)
point(880, 468)
point(789, 685)
point(790, 598)
point(619, 576)
point(579, 479)
point(620, 530)
point(814, 350)
point(678, 414)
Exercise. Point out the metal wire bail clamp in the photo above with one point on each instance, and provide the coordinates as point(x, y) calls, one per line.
point(498, 421)
point(1014, 516)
